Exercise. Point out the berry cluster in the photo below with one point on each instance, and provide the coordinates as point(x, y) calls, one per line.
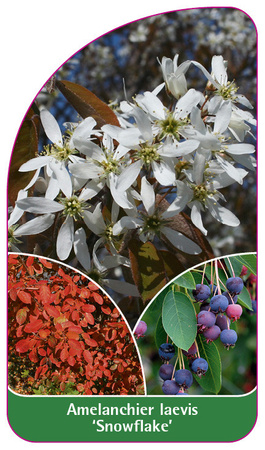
point(176, 382)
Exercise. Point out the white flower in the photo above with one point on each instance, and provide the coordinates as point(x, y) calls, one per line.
point(34, 226)
point(174, 75)
point(98, 270)
point(202, 192)
point(154, 223)
point(58, 154)
point(72, 208)
point(103, 165)
point(224, 89)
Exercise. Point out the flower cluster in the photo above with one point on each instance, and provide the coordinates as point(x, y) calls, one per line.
point(107, 183)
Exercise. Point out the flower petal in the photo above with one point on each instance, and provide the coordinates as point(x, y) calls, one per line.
point(184, 196)
point(94, 220)
point(222, 214)
point(35, 226)
point(128, 176)
point(180, 241)
point(65, 238)
point(148, 196)
point(39, 205)
point(81, 249)
point(196, 217)
point(51, 127)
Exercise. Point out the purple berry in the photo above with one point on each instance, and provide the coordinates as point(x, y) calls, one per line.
point(228, 338)
point(234, 312)
point(205, 319)
point(205, 306)
point(218, 303)
point(182, 393)
point(212, 333)
point(165, 371)
point(222, 321)
point(234, 285)
point(170, 387)
point(184, 378)
point(201, 293)
point(254, 306)
point(166, 351)
point(140, 329)
point(199, 366)
point(191, 352)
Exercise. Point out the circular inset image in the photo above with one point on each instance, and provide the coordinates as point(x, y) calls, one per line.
point(198, 335)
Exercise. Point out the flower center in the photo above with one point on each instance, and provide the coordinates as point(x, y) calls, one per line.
point(152, 223)
point(171, 127)
point(73, 207)
point(200, 192)
point(11, 238)
point(228, 91)
point(108, 233)
point(61, 153)
point(110, 165)
point(148, 153)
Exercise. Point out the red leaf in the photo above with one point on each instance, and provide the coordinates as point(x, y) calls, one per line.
point(23, 345)
point(25, 297)
point(75, 329)
point(45, 263)
point(89, 318)
point(44, 333)
point(88, 357)
point(64, 354)
point(30, 261)
point(72, 335)
point(41, 351)
point(106, 310)
point(88, 308)
point(52, 311)
point(97, 297)
point(13, 294)
point(33, 356)
point(91, 342)
point(75, 345)
point(45, 294)
point(21, 315)
point(92, 286)
point(71, 361)
point(34, 326)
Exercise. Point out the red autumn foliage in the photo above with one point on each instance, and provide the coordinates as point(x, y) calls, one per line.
point(63, 330)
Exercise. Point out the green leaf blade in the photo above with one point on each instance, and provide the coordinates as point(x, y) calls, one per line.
point(186, 280)
point(179, 319)
point(211, 381)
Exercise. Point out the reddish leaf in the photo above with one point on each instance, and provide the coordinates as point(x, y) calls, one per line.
point(33, 356)
point(71, 361)
point(106, 309)
point(23, 345)
point(41, 351)
point(52, 311)
point(64, 354)
point(25, 297)
point(88, 308)
point(89, 318)
point(44, 333)
point(87, 104)
point(34, 326)
point(88, 357)
point(21, 315)
point(92, 286)
point(72, 335)
point(45, 263)
point(45, 293)
point(91, 342)
point(97, 297)
point(13, 294)
point(30, 261)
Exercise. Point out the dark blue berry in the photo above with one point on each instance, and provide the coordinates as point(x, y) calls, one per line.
point(184, 378)
point(205, 319)
point(199, 366)
point(205, 306)
point(166, 351)
point(222, 321)
point(212, 333)
point(218, 303)
point(228, 338)
point(234, 285)
point(201, 293)
point(182, 393)
point(165, 371)
point(254, 306)
point(170, 387)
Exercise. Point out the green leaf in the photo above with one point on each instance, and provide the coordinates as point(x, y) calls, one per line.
point(87, 104)
point(179, 319)
point(249, 260)
point(186, 280)
point(237, 266)
point(244, 298)
point(147, 268)
point(211, 381)
point(160, 334)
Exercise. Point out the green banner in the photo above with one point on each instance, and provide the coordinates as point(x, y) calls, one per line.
point(132, 419)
